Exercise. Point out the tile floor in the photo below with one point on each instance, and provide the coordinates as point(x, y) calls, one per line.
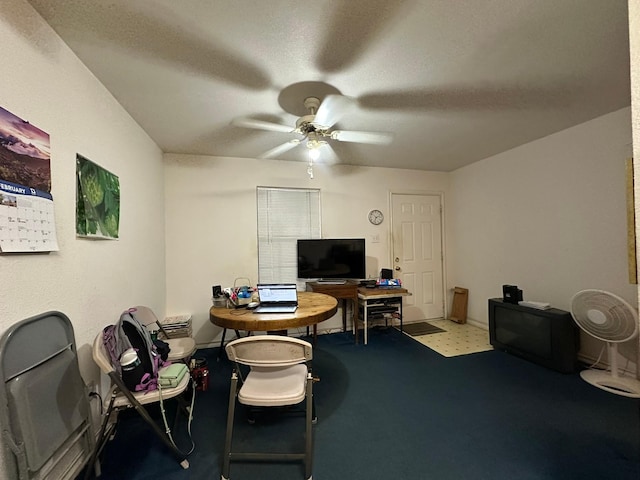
point(457, 339)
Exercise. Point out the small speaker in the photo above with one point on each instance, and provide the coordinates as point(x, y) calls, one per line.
point(386, 273)
point(511, 294)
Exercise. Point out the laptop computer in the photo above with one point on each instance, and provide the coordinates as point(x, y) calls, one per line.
point(277, 298)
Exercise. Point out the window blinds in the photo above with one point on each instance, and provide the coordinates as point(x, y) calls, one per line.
point(284, 215)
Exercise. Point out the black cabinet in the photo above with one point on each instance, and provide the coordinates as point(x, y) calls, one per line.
point(547, 337)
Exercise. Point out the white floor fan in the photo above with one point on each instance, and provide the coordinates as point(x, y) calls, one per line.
point(611, 319)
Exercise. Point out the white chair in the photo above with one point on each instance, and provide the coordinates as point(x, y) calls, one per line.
point(280, 376)
point(180, 349)
point(122, 398)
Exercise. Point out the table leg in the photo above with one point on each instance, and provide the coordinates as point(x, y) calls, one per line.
point(355, 316)
point(356, 325)
point(366, 324)
point(224, 333)
point(354, 330)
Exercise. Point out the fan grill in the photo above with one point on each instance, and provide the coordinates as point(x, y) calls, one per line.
point(604, 315)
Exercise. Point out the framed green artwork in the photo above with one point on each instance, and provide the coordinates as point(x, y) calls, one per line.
point(97, 200)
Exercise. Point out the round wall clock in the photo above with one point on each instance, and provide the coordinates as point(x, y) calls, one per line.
point(376, 217)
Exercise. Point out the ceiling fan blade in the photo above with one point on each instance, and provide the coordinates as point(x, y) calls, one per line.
point(332, 109)
point(376, 138)
point(261, 125)
point(329, 156)
point(280, 149)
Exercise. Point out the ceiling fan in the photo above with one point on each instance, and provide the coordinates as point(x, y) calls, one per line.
point(315, 127)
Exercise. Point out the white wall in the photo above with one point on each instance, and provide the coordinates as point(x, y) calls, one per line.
point(211, 220)
point(90, 281)
point(548, 216)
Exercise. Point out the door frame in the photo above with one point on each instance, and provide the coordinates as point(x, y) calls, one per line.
point(438, 193)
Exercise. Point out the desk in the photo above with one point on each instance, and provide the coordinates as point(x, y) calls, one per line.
point(384, 299)
point(312, 309)
point(343, 292)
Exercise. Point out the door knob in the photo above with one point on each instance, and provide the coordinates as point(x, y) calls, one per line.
point(398, 269)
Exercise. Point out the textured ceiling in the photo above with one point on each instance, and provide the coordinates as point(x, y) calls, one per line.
point(453, 81)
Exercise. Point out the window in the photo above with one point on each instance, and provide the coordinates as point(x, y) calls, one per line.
point(284, 215)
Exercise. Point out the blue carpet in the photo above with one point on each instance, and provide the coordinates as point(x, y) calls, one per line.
point(396, 409)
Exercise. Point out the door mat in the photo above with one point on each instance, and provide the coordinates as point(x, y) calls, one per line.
point(421, 328)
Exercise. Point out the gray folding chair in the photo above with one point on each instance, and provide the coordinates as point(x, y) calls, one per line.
point(44, 407)
point(280, 376)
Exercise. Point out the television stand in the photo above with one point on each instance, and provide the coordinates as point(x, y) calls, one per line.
point(343, 292)
point(331, 282)
point(547, 337)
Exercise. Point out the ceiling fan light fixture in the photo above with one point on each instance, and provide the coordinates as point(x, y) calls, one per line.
point(313, 144)
point(314, 154)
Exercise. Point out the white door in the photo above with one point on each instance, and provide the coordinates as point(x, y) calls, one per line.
point(417, 253)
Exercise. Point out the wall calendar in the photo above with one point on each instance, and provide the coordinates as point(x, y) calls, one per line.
point(27, 222)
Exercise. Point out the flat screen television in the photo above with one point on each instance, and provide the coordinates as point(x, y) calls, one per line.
point(335, 258)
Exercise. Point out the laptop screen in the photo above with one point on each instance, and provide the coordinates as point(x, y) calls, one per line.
point(279, 293)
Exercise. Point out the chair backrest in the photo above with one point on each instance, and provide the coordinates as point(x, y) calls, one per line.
point(145, 316)
point(269, 351)
point(44, 409)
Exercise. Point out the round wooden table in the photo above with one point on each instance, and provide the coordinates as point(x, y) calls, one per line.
point(313, 308)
